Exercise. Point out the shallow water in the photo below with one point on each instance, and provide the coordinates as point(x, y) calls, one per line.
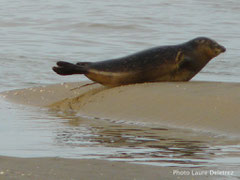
point(33, 132)
point(36, 34)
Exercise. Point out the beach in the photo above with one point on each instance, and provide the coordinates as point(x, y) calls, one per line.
point(203, 107)
point(75, 169)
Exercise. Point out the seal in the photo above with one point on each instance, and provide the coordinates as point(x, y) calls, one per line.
point(163, 63)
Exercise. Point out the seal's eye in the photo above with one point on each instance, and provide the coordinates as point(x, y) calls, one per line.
point(215, 46)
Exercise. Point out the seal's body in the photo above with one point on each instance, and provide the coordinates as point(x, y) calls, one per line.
point(164, 63)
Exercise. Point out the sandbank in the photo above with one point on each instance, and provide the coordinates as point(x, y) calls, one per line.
point(204, 106)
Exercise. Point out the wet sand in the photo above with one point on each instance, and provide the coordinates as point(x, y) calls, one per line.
point(74, 169)
point(203, 106)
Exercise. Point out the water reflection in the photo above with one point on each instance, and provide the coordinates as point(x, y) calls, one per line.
point(141, 144)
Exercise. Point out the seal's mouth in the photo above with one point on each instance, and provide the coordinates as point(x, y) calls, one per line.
point(222, 48)
point(219, 49)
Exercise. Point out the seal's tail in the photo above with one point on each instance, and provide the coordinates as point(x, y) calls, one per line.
point(66, 68)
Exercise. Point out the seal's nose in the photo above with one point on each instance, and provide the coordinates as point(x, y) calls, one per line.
point(223, 49)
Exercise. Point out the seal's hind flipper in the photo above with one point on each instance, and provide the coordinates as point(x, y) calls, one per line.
point(66, 68)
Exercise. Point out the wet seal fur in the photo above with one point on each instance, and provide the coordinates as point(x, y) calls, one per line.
point(164, 63)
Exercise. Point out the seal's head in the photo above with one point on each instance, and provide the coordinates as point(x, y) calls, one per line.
point(207, 47)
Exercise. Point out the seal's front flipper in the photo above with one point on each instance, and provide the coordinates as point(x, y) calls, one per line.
point(179, 60)
point(66, 68)
point(183, 60)
point(187, 63)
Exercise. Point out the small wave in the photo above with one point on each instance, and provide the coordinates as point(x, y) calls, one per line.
point(113, 26)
